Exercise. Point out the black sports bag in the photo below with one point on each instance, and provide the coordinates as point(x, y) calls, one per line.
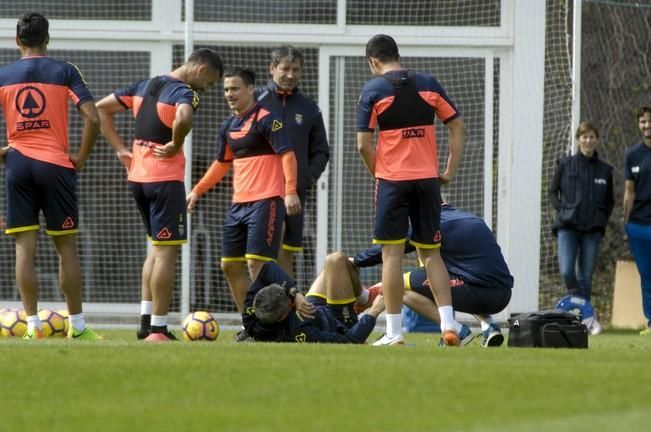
point(547, 329)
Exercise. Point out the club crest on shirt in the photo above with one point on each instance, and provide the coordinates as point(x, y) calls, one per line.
point(635, 169)
point(299, 119)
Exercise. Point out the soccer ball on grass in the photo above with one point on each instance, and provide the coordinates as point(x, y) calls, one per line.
point(200, 326)
point(66, 320)
point(14, 323)
point(54, 325)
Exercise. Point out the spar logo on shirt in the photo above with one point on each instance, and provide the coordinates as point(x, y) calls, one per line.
point(30, 103)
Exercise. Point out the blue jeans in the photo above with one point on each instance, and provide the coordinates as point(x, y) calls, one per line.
point(639, 236)
point(577, 253)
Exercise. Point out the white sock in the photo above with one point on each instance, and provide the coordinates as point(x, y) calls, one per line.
point(33, 322)
point(394, 325)
point(363, 297)
point(145, 307)
point(486, 323)
point(158, 320)
point(78, 322)
point(447, 319)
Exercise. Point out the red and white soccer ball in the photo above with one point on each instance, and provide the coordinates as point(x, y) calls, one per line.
point(13, 323)
point(200, 326)
point(54, 325)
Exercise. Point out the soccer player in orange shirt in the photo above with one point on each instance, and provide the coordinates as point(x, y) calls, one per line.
point(41, 171)
point(254, 141)
point(163, 107)
point(403, 105)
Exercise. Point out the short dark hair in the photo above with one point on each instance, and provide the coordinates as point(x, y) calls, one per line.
point(270, 303)
point(208, 57)
point(643, 110)
point(585, 127)
point(286, 51)
point(383, 48)
point(32, 29)
point(247, 75)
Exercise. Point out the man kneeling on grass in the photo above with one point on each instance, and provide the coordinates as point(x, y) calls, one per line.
point(275, 310)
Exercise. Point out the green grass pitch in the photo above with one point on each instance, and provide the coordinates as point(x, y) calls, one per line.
point(123, 385)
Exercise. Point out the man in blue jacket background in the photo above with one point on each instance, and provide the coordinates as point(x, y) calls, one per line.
point(304, 126)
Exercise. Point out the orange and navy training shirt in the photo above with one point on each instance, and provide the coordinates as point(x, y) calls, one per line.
point(403, 105)
point(253, 142)
point(34, 94)
point(154, 102)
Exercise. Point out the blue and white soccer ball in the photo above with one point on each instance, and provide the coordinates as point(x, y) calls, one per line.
point(581, 307)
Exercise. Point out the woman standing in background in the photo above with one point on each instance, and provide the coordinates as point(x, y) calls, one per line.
point(582, 193)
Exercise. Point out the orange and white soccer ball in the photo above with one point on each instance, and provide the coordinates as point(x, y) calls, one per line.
point(200, 326)
point(14, 323)
point(54, 325)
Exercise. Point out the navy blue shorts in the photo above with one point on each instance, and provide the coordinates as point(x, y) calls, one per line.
point(253, 230)
point(468, 298)
point(293, 239)
point(33, 186)
point(163, 210)
point(399, 202)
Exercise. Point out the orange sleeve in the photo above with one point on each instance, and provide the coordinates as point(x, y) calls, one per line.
point(289, 169)
point(214, 175)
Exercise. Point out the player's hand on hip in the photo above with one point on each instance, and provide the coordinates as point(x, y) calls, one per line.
point(446, 178)
point(293, 204)
point(77, 161)
point(304, 308)
point(191, 201)
point(165, 151)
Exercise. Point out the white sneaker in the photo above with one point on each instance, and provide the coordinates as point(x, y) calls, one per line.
point(596, 328)
point(387, 341)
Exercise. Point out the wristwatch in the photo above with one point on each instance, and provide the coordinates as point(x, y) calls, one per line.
point(291, 292)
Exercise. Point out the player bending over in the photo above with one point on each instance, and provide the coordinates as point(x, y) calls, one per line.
point(480, 281)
